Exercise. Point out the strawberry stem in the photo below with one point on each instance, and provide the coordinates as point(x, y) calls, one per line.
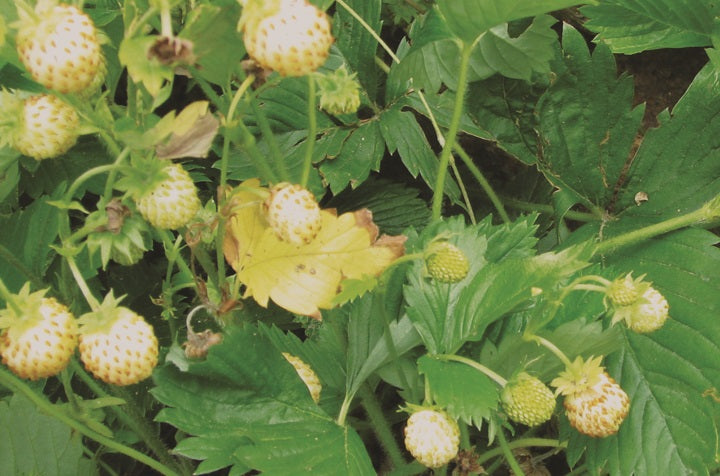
point(551, 347)
point(82, 284)
point(483, 182)
point(521, 443)
point(507, 452)
point(453, 129)
point(312, 131)
point(380, 425)
point(18, 386)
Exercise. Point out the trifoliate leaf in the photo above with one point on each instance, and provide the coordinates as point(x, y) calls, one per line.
point(303, 278)
point(245, 406)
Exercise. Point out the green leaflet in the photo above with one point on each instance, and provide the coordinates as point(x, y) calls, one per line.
point(632, 26)
point(245, 406)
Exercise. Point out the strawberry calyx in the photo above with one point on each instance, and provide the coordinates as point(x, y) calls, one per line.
point(579, 376)
point(339, 91)
point(22, 311)
point(102, 318)
point(118, 233)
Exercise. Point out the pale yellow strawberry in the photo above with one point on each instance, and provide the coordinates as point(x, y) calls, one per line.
point(39, 341)
point(432, 437)
point(59, 46)
point(293, 213)
point(171, 203)
point(594, 403)
point(47, 127)
point(117, 345)
point(291, 37)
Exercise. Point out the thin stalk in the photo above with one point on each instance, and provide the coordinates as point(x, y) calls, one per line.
point(18, 386)
point(463, 191)
point(228, 120)
point(380, 426)
point(275, 152)
point(552, 348)
point(521, 443)
point(483, 182)
point(454, 128)
point(548, 209)
point(705, 214)
point(107, 193)
point(476, 365)
point(132, 419)
point(507, 452)
point(312, 131)
point(165, 20)
point(344, 409)
point(369, 29)
point(80, 281)
point(88, 174)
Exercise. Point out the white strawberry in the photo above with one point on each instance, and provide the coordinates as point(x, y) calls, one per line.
point(39, 335)
point(291, 37)
point(432, 437)
point(117, 345)
point(59, 46)
point(293, 213)
point(594, 403)
point(170, 203)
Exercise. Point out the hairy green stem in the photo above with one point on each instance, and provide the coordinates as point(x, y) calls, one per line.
point(551, 347)
point(453, 129)
point(507, 452)
point(312, 131)
point(483, 182)
point(708, 213)
point(548, 209)
point(80, 281)
point(380, 425)
point(266, 130)
point(521, 443)
point(133, 419)
point(16, 385)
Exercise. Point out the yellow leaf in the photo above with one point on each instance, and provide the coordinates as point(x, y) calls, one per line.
point(303, 279)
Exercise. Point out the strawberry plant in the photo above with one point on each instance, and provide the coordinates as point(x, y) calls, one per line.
point(356, 237)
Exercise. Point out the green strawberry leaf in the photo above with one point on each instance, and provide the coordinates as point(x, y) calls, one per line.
point(433, 58)
point(671, 374)
point(587, 124)
point(34, 443)
point(468, 19)
point(361, 153)
point(402, 134)
point(235, 405)
point(25, 252)
point(463, 391)
point(151, 73)
point(435, 308)
point(211, 28)
point(684, 152)
point(372, 341)
point(632, 26)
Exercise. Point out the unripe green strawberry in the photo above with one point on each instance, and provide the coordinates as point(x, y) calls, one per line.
point(293, 213)
point(594, 403)
point(117, 345)
point(291, 37)
point(171, 203)
point(527, 400)
point(47, 128)
point(59, 46)
point(339, 92)
point(307, 374)
point(649, 313)
point(38, 342)
point(432, 437)
point(446, 262)
point(625, 290)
